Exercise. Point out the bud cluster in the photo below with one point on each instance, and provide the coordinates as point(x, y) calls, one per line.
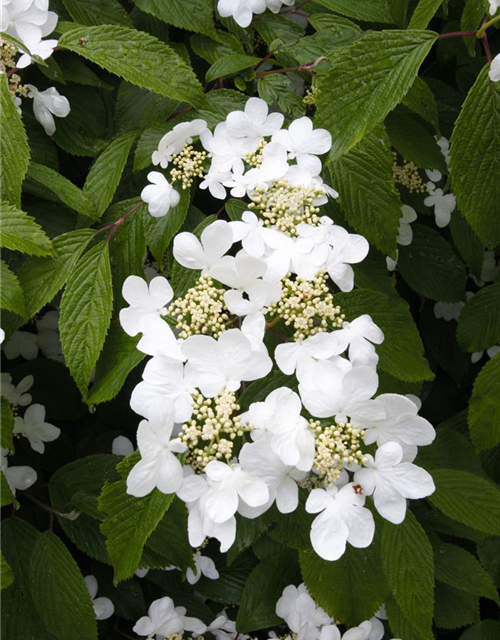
point(407, 175)
point(256, 158)
point(337, 446)
point(188, 164)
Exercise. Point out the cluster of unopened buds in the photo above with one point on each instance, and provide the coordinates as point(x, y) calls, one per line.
point(260, 284)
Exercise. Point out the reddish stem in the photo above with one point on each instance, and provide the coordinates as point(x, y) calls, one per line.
point(11, 71)
point(283, 337)
point(264, 59)
point(486, 46)
point(295, 9)
point(117, 223)
point(305, 68)
point(456, 34)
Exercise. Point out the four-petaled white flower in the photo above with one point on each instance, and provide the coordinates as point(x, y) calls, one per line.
point(405, 233)
point(46, 105)
point(255, 122)
point(347, 248)
point(250, 231)
point(18, 478)
point(144, 300)
point(159, 195)
point(33, 426)
point(16, 395)
point(103, 607)
point(172, 142)
point(444, 204)
point(21, 343)
point(343, 518)
point(358, 336)
point(204, 566)
point(301, 356)
point(392, 481)
point(301, 613)
point(205, 253)
point(304, 143)
point(162, 619)
point(241, 10)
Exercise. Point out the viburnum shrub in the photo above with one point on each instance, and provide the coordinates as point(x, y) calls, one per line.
point(251, 319)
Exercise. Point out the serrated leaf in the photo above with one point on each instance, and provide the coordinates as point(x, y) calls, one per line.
point(408, 564)
point(219, 103)
point(235, 208)
point(138, 58)
point(472, 15)
point(485, 630)
point(20, 232)
point(421, 101)
point(211, 51)
point(104, 175)
point(484, 407)
point(14, 149)
point(400, 625)
point(468, 499)
point(6, 575)
point(263, 588)
point(479, 323)
point(86, 307)
point(195, 16)
point(377, 72)
point(7, 423)
point(6, 494)
point(88, 12)
point(367, 195)
point(401, 353)
point(367, 10)
point(170, 537)
point(229, 65)
point(431, 267)
point(460, 569)
point(467, 243)
point(474, 159)
point(450, 450)
point(11, 294)
point(231, 582)
point(454, 608)
point(59, 591)
point(332, 584)
point(129, 521)
point(138, 108)
point(62, 189)
point(424, 13)
point(161, 231)
point(42, 278)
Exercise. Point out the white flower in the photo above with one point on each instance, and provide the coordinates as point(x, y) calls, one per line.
point(279, 422)
point(304, 143)
point(401, 424)
point(303, 354)
point(223, 628)
point(46, 105)
point(172, 142)
point(204, 566)
point(405, 234)
point(274, 166)
point(347, 248)
point(26, 20)
point(301, 613)
point(48, 336)
point(162, 619)
point(2, 335)
point(21, 343)
point(16, 395)
point(33, 426)
point(448, 311)
point(41, 48)
point(494, 72)
point(158, 339)
point(215, 242)
point(228, 485)
point(144, 300)
point(103, 607)
point(391, 481)
point(250, 231)
point(330, 391)
point(122, 446)
point(224, 363)
point(298, 255)
point(343, 519)
point(255, 122)
point(260, 460)
point(166, 381)
point(275, 5)
point(489, 270)
point(494, 4)
point(159, 195)
point(241, 10)
point(492, 352)
point(444, 204)
point(358, 336)
point(18, 478)
point(158, 467)
point(225, 149)
point(214, 181)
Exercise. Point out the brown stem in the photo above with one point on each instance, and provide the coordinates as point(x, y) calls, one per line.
point(11, 71)
point(217, 214)
point(456, 34)
point(486, 46)
point(264, 59)
point(305, 68)
point(295, 9)
point(117, 223)
point(283, 337)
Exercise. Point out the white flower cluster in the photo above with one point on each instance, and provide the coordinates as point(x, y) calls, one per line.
point(355, 446)
point(27, 345)
point(242, 10)
point(28, 22)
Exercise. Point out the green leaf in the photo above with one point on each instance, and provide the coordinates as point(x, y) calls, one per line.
point(229, 65)
point(332, 584)
point(86, 307)
point(408, 565)
point(475, 163)
point(6, 495)
point(401, 353)
point(42, 278)
point(400, 625)
point(368, 197)
point(414, 142)
point(263, 588)
point(399, 10)
point(489, 553)
point(484, 407)
point(479, 323)
point(460, 569)
point(211, 51)
point(367, 10)
point(161, 231)
point(454, 608)
point(170, 537)
point(219, 103)
point(89, 12)
point(138, 108)
point(421, 101)
point(472, 15)
point(235, 208)
point(11, 294)
point(259, 390)
point(467, 243)
point(229, 586)
point(6, 575)
point(138, 58)
point(377, 70)
point(468, 499)
point(62, 189)
point(119, 356)
point(196, 16)
point(485, 630)
point(431, 267)
point(20, 232)
point(450, 450)
point(59, 591)
point(14, 149)
point(424, 13)
point(7, 422)
point(104, 175)
point(129, 521)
